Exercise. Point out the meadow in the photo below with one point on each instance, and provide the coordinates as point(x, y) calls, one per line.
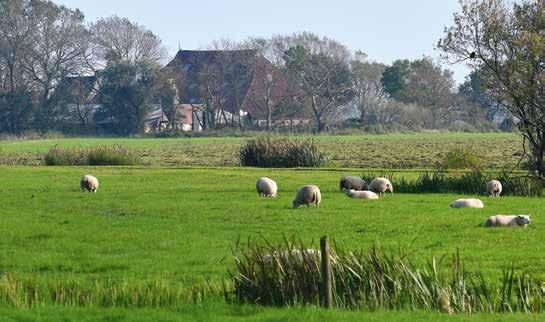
point(390, 151)
point(176, 227)
point(155, 242)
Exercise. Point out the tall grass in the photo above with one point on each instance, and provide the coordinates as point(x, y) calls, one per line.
point(473, 182)
point(374, 280)
point(97, 155)
point(27, 292)
point(280, 152)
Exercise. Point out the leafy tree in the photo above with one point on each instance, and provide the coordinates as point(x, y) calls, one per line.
point(509, 43)
point(127, 94)
point(395, 77)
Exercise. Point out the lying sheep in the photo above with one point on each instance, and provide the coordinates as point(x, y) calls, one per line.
point(89, 182)
point(352, 182)
point(381, 185)
point(508, 221)
point(296, 254)
point(366, 194)
point(266, 187)
point(306, 195)
point(493, 187)
point(467, 203)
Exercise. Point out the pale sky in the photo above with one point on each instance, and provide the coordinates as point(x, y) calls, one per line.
point(385, 29)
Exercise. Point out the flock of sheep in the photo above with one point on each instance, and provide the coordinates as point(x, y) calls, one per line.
point(357, 188)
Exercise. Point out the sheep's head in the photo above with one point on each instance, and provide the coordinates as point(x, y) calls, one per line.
point(523, 220)
point(390, 188)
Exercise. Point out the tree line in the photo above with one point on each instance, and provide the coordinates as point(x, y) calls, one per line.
point(43, 44)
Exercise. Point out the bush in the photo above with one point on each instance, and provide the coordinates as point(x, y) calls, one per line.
point(463, 158)
point(374, 280)
point(98, 155)
point(473, 182)
point(280, 152)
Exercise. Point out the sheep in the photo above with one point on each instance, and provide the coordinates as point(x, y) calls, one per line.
point(306, 195)
point(299, 255)
point(494, 188)
point(352, 182)
point(508, 221)
point(381, 185)
point(89, 182)
point(467, 203)
point(365, 194)
point(266, 187)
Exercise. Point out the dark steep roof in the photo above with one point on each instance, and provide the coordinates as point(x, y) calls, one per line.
point(230, 71)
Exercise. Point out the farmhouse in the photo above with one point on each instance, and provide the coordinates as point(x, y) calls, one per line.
point(227, 86)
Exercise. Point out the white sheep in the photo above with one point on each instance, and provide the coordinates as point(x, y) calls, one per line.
point(508, 221)
point(266, 187)
point(494, 188)
point(365, 194)
point(89, 182)
point(381, 185)
point(467, 203)
point(306, 195)
point(352, 182)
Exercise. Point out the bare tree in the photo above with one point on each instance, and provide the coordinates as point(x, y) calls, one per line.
point(122, 39)
point(508, 44)
point(366, 81)
point(320, 67)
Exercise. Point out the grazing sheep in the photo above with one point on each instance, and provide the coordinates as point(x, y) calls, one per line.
point(306, 195)
point(366, 194)
point(494, 188)
point(89, 182)
point(467, 203)
point(352, 182)
point(508, 221)
point(266, 187)
point(381, 185)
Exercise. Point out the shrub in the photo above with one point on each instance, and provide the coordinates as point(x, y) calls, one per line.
point(98, 155)
point(375, 280)
point(463, 158)
point(280, 152)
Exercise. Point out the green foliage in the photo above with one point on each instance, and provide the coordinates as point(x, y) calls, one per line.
point(127, 92)
point(462, 157)
point(473, 182)
point(289, 274)
point(97, 155)
point(281, 152)
point(28, 292)
point(395, 77)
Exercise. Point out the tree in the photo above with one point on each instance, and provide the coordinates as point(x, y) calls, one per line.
point(55, 51)
point(127, 93)
point(509, 43)
point(120, 39)
point(320, 67)
point(368, 88)
point(395, 77)
point(472, 89)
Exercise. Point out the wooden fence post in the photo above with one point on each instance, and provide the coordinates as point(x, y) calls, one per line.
point(327, 291)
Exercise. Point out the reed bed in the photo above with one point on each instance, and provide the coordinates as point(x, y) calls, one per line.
point(289, 275)
point(92, 156)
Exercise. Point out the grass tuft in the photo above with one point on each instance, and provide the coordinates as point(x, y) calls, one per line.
point(281, 152)
point(93, 156)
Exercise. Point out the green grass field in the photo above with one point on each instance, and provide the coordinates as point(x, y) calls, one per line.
point(177, 226)
point(392, 151)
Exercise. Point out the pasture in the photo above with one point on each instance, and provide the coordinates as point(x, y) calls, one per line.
point(390, 151)
point(175, 227)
